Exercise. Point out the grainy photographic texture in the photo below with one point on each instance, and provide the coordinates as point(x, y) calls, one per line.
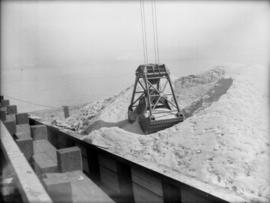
point(72, 65)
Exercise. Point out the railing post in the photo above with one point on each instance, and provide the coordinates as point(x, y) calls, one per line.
point(66, 111)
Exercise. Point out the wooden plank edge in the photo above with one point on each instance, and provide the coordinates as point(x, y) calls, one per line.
point(29, 185)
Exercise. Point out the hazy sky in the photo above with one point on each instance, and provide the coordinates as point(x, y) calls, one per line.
point(92, 48)
point(58, 33)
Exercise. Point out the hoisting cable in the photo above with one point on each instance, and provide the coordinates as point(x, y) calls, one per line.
point(156, 31)
point(143, 24)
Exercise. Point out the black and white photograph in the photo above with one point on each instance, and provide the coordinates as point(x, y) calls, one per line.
point(137, 101)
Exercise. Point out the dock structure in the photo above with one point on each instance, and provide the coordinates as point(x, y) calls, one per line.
point(29, 185)
point(43, 173)
point(53, 165)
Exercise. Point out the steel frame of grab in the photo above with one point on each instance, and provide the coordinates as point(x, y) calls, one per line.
point(148, 84)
